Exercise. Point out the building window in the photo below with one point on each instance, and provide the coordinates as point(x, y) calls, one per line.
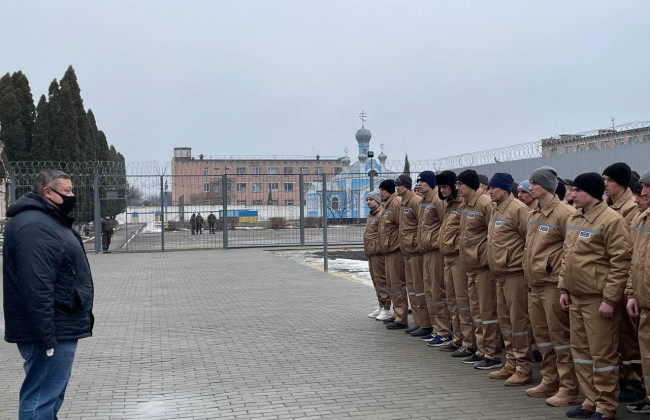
point(554, 150)
point(257, 202)
point(335, 203)
point(319, 170)
point(288, 186)
point(206, 171)
point(581, 148)
point(257, 170)
point(646, 138)
point(257, 187)
point(241, 170)
point(605, 144)
point(288, 170)
point(216, 168)
point(338, 170)
point(620, 142)
point(273, 186)
point(241, 202)
point(273, 202)
point(273, 170)
point(633, 139)
point(206, 187)
point(241, 187)
point(288, 202)
point(304, 170)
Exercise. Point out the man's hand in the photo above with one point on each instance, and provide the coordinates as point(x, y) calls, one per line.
point(606, 310)
point(632, 307)
point(49, 352)
point(565, 301)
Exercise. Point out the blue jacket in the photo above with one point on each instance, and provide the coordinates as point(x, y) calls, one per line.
point(47, 284)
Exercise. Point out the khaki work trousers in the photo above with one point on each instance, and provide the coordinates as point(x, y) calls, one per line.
point(435, 292)
point(552, 334)
point(378, 275)
point(488, 338)
point(644, 347)
point(594, 344)
point(628, 347)
point(397, 285)
point(512, 311)
point(458, 301)
point(475, 311)
point(415, 287)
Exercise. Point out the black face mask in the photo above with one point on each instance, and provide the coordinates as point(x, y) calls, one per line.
point(68, 202)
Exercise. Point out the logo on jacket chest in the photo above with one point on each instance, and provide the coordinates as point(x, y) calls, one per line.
point(543, 228)
point(428, 207)
point(373, 221)
point(498, 223)
point(584, 234)
point(471, 214)
point(406, 210)
point(386, 213)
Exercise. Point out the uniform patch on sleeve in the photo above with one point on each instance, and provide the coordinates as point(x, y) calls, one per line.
point(543, 228)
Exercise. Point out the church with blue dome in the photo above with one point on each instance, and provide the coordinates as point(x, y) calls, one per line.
point(347, 191)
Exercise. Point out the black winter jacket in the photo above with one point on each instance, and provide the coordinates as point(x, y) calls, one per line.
point(47, 284)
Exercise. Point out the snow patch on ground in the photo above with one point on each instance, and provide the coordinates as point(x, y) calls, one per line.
point(354, 268)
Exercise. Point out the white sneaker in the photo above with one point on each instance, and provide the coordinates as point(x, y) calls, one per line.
point(375, 313)
point(383, 315)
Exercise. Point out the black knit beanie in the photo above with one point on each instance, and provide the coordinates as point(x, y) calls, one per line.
point(388, 185)
point(592, 183)
point(469, 177)
point(620, 172)
point(429, 177)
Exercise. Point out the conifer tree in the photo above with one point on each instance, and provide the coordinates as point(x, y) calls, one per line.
point(23, 94)
point(12, 133)
point(65, 143)
point(86, 144)
point(407, 165)
point(42, 138)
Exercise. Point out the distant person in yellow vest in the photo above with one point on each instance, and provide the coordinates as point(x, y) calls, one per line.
point(481, 285)
point(594, 273)
point(638, 303)
point(410, 246)
point(506, 241)
point(394, 263)
point(620, 198)
point(372, 248)
point(542, 264)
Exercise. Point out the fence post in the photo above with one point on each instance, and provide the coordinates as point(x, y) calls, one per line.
point(98, 215)
point(325, 256)
point(302, 209)
point(162, 212)
point(224, 206)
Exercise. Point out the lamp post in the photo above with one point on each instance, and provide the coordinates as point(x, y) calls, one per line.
point(371, 154)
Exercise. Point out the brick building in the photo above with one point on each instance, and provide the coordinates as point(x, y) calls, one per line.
point(622, 135)
point(251, 181)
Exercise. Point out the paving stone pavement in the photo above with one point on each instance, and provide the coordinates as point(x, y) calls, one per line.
point(247, 334)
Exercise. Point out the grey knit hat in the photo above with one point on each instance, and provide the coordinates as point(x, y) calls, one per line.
point(546, 177)
point(374, 195)
point(645, 178)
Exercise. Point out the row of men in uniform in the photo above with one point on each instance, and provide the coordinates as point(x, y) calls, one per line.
point(481, 269)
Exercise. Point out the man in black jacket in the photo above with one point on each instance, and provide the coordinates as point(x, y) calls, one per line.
point(47, 291)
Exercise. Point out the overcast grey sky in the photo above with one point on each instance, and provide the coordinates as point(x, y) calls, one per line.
point(290, 77)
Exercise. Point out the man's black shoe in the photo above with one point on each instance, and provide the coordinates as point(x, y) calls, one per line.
point(396, 326)
point(421, 332)
point(389, 320)
point(451, 346)
point(410, 330)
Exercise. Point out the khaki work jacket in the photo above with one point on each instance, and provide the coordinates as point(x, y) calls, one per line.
point(638, 285)
point(371, 234)
point(545, 242)
point(507, 237)
point(473, 232)
point(597, 254)
point(625, 206)
point(408, 224)
point(450, 228)
point(432, 213)
point(389, 225)
point(533, 205)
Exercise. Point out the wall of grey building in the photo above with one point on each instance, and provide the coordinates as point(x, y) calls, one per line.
point(572, 164)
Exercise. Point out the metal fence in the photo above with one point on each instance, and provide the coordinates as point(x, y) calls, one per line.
point(161, 212)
